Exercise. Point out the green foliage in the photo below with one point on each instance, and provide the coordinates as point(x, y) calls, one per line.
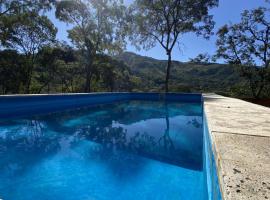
point(247, 44)
point(114, 75)
point(186, 77)
point(162, 22)
point(29, 35)
point(12, 72)
point(15, 12)
point(32, 61)
point(97, 29)
point(54, 65)
point(202, 58)
point(58, 69)
point(23, 28)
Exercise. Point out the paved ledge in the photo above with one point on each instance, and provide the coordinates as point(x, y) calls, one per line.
point(240, 134)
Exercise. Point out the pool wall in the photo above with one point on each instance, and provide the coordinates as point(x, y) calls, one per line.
point(210, 169)
point(22, 105)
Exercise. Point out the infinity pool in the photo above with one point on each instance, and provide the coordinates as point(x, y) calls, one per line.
point(123, 150)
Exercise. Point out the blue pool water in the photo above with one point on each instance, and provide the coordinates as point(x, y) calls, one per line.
point(124, 150)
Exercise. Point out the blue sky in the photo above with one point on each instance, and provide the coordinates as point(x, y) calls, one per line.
point(191, 45)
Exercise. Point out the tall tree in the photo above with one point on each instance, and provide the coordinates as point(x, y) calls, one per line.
point(97, 29)
point(23, 27)
point(13, 12)
point(28, 36)
point(163, 22)
point(247, 44)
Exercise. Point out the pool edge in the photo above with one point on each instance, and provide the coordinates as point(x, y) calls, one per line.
point(240, 136)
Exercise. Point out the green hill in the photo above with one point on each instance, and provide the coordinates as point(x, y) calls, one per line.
point(185, 77)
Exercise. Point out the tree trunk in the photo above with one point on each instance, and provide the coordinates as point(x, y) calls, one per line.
point(30, 67)
point(88, 70)
point(87, 87)
point(258, 95)
point(169, 62)
point(166, 140)
point(29, 79)
point(48, 88)
point(89, 55)
point(257, 87)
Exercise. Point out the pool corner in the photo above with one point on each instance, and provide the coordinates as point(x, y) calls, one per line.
point(240, 135)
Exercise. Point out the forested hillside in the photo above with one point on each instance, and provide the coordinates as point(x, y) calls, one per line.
point(34, 60)
point(185, 77)
point(59, 70)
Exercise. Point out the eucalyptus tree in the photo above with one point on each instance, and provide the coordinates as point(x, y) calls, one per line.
point(28, 36)
point(163, 22)
point(98, 28)
point(247, 44)
point(13, 12)
point(25, 28)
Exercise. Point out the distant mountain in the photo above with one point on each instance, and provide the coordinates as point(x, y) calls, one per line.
point(186, 77)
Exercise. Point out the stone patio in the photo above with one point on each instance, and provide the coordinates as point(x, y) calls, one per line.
point(240, 133)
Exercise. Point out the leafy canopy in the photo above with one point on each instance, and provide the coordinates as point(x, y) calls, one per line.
point(29, 35)
point(248, 44)
point(160, 21)
point(164, 21)
point(97, 24)
point(23, 25)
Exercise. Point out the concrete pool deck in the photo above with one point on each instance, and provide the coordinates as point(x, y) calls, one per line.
point(240, 134)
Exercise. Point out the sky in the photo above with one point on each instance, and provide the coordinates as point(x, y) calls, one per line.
point(191, 45)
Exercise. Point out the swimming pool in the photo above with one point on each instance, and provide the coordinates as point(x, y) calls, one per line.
point(120, 146)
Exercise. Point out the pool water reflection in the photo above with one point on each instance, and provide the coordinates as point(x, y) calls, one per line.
point(125, 150)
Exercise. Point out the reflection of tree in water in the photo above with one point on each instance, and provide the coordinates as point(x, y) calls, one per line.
point(38, 140)
point(142, 142)
point(165, 141)
point(113, 138)
point(32, 137)
point(194, 122)
point(25, 145)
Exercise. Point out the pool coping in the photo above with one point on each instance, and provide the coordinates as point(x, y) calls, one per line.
point(240, 135)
